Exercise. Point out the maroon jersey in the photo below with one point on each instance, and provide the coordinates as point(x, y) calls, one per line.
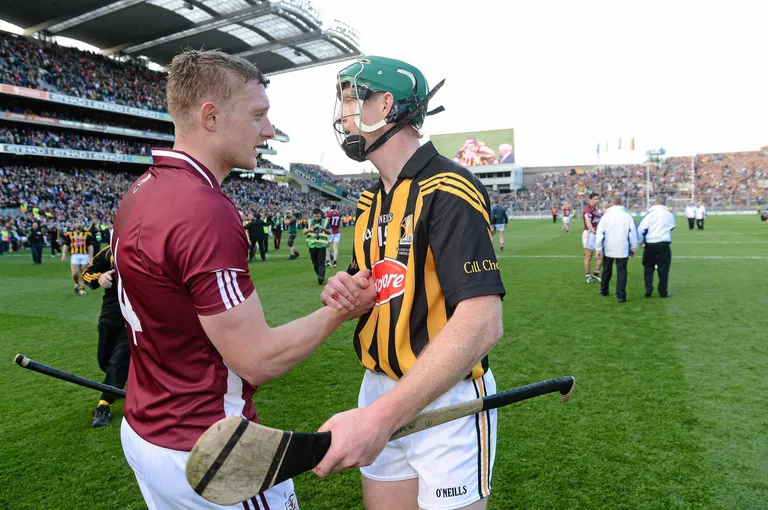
point(591, 215)
point(334, 221)
point(179, 251)
point(566, 211)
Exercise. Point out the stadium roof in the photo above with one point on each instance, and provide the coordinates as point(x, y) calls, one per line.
point(278, 36)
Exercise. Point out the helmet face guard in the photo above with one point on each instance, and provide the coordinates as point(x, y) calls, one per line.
point(408, 108)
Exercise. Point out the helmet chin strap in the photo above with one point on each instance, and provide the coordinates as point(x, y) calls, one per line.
point(354, 145)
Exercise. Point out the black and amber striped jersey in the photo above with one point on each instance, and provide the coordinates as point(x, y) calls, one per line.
point(110, 307)
point(78, 241)
point(428, 244)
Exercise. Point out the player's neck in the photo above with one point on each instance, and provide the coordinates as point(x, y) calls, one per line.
point(207, 157)
point(390, 158)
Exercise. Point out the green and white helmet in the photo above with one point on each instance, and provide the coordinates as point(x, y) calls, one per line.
point(371, 74)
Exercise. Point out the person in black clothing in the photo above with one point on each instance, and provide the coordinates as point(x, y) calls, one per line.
point(35, 238)
point(256, 236)
point(53, 239)
point(113, 353)
point(96, 235)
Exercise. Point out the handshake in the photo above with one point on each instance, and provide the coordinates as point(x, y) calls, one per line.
point(351, 295)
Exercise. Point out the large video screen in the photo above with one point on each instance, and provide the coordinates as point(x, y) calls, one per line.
point(475, 148)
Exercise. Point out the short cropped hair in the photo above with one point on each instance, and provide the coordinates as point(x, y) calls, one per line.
point(197, 76)
point(593, 195)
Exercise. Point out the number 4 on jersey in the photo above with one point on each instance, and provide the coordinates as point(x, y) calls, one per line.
point(125, 304)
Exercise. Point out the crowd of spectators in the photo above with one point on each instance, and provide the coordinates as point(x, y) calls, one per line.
point(263, 162)
point(62, 197)
point(79, 140)
point(729, 180)
point(33, 64)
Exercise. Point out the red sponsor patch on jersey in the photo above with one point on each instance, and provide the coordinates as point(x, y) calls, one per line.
point(389, 278)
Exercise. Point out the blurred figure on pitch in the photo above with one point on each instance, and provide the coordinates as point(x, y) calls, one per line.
point(35, 238)
point(291, 227)
point(690, 214)
point(701, 213)
point(591, 218)
point(256, 237)
point(53, 239)
point(566, 218)
point(655, 232)
point(277, 230)
point(554, 214)
point(499, 220)
point(615, 240)
point(78, 242)
point(113, 353)
point(317, 232)
point(334, 221)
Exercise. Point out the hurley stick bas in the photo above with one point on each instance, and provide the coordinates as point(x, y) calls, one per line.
point(33, 365)
point(236, 459)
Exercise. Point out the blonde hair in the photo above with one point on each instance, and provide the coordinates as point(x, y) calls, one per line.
point(197, 76)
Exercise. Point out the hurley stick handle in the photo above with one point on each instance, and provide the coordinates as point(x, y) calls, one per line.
point(436, 417)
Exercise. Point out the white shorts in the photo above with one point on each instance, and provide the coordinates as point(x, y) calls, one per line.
point(453, 461)
point(334, 238)
point(588, 240)
point(160, 474)
point(566, 219)
point(499, 227)
point(79, 260)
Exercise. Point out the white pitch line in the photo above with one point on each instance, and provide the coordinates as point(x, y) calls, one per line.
point(674, 257)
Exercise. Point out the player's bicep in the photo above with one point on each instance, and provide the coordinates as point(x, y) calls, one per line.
point(232, 331)
point(460, 240)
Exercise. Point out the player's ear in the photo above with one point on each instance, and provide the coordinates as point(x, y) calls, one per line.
point(208, 116)
point(387, 101)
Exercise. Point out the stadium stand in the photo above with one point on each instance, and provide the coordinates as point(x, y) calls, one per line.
point(736, 180)
point(28, 63)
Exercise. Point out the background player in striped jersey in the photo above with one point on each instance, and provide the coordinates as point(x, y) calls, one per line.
point(78, 242)
point(113, 353)
point(425, 232)
point(334, 221)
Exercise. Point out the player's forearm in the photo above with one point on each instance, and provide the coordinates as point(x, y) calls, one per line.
point(289, 344)
point(462, 343)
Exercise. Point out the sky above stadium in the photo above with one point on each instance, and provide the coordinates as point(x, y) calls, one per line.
point(689, 76)
point(686, 75)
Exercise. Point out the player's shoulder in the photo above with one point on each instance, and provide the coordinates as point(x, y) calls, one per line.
point(443, 170)
point(365, 200)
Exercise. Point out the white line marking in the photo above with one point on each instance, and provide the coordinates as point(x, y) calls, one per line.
point(674, 257)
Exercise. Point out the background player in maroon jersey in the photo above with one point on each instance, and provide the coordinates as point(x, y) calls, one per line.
point(199, 340)
point(334, 221)
point(566, 218)
point(591, 219)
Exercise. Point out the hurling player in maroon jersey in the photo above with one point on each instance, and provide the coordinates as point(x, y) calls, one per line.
point(591, 217)
point(199, 341)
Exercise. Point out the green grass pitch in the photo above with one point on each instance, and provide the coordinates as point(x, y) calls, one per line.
point(670, 408)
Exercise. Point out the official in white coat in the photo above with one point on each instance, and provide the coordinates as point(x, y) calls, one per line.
point(616, 240)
